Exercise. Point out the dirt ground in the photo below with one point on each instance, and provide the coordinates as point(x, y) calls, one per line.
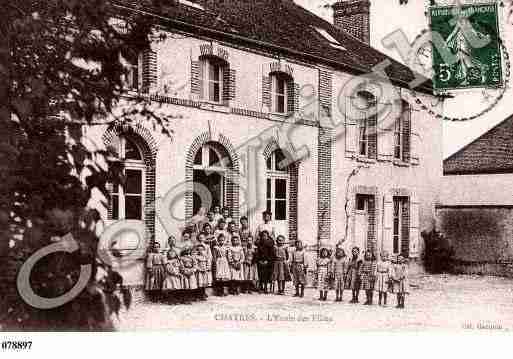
point(441, 302)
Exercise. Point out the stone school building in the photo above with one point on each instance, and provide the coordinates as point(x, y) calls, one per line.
point(262, 119)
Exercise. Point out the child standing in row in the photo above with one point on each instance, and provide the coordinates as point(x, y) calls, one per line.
point(299, 269)
point(368, 276)
point(340, 265)
point(353, 274)
point(155, 271)
point(383, 270)
point(323, 273)
point(203, 274)
point(221, 229)
point(400, 280)
point(236, 259)
point(281, 272)
point(188, 270)
point(250, 268)
point(222, 269)
point(173, 279)
point(245, 232)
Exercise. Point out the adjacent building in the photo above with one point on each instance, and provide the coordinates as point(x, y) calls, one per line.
point(476, 210)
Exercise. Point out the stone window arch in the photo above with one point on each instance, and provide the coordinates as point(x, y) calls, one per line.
point(137, 148)
point(225, 159)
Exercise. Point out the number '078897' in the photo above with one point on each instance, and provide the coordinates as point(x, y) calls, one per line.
point(16, 345)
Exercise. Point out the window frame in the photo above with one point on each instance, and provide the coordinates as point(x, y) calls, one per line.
point(275, 77)
point(205, 159)
point(274, 175)
point(121, 194)
point(208, 63)
point(363, 141)
point(134, 71)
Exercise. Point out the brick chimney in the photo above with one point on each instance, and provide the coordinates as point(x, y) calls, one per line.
point(353, 16)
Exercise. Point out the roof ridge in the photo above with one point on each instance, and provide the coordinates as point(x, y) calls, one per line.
point(479, 137)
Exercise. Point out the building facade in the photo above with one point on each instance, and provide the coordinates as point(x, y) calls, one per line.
point(271, 107)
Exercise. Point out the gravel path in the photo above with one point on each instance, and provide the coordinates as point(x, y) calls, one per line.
point(439, 302)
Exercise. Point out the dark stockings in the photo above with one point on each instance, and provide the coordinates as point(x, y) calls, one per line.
point(339, 295)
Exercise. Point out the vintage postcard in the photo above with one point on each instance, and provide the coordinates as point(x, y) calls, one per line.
point(256, 165)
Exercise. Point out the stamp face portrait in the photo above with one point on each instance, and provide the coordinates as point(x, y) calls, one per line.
point(469, 55)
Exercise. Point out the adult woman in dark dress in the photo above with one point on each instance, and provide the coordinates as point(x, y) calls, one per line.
point(265, 260)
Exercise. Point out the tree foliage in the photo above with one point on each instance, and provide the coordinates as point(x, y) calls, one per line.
point(61, 68)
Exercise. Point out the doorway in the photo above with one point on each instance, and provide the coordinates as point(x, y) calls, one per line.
point(211, 164)
point(364, 207)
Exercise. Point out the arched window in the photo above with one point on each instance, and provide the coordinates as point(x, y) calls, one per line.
point(127, 199)
point(277, 191)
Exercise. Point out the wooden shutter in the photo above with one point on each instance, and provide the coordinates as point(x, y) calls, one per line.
point(292, 97)
point(296, 97)
point(149, 70)
point(197, 79)
point(414, 138)
point(351, 129)
point(371, 234)
point(406, 118)
point(266, 92)
point(372, 123)
point(387, 240)
point(414, 249)
point(405, 228)
point(229, 77)
point(385, 140)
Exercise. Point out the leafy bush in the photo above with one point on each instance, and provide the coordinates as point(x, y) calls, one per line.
point(438, 252)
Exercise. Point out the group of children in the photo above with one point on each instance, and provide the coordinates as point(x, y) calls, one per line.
point(215, 253)
point(370, 275)
point(210, 254)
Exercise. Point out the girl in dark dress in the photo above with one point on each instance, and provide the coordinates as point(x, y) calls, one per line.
point(353, 274)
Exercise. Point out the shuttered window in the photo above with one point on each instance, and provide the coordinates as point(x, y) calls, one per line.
point(279, 93)
point(213, 80)
point(367, 124)
point(402, 133)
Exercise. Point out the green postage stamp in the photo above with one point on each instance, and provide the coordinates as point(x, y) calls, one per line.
point(466, 46)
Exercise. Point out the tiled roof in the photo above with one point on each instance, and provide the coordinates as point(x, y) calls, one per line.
point(277, 26)
point(490, 153)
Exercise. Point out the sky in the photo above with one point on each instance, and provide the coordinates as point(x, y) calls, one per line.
point(388, 16)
